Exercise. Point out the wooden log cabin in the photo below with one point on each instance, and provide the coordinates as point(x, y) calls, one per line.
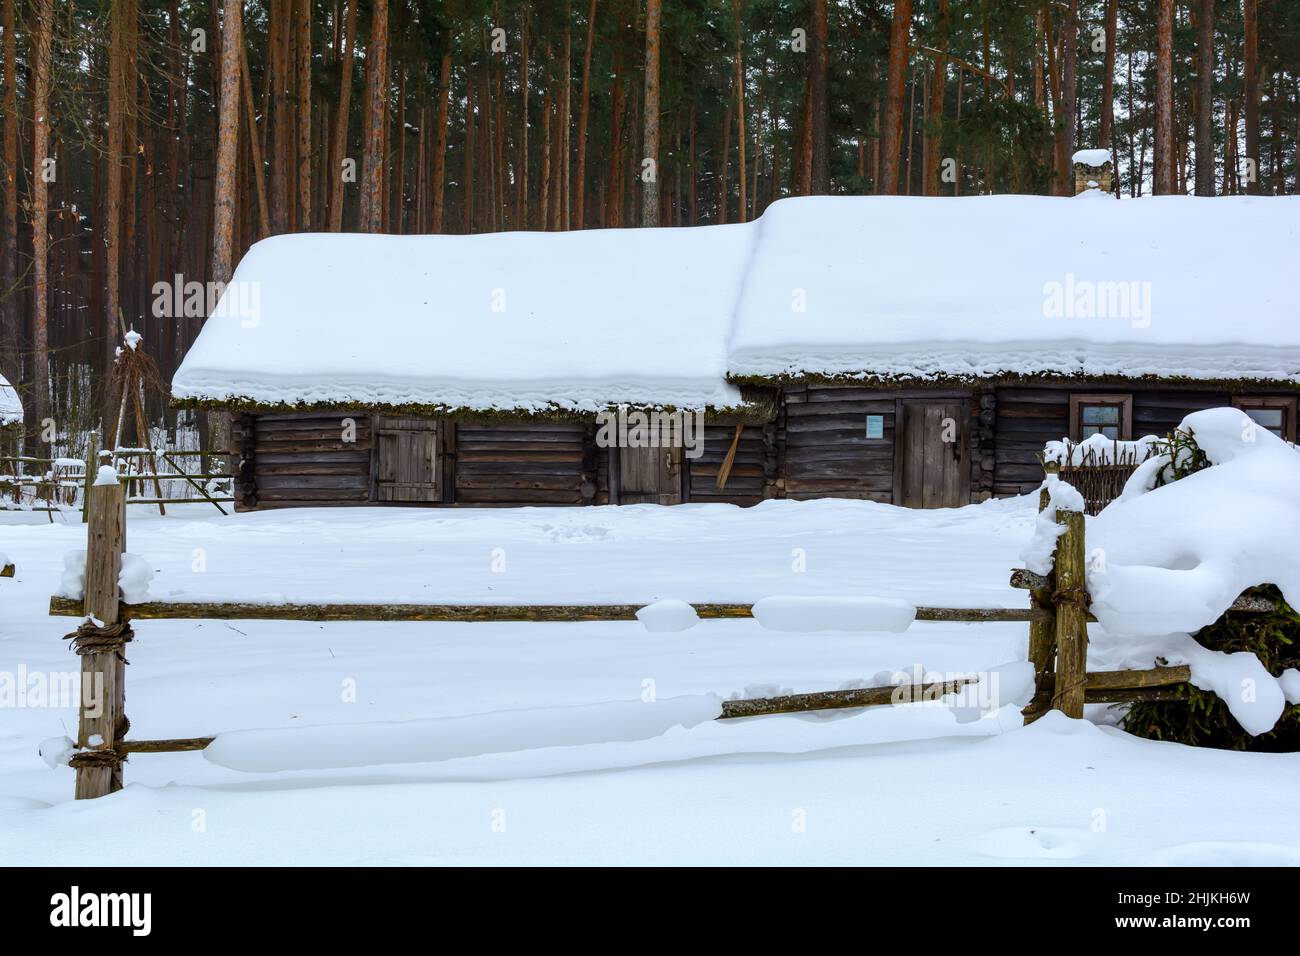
point(832, 348)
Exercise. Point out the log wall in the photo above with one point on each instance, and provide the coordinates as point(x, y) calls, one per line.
point(303, 459)
point(822, 449)
point(753, 471)
point(1026, 418)
point(525, 464)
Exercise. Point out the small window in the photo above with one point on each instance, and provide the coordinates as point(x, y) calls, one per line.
point(1108, 415)
point(1277, 415)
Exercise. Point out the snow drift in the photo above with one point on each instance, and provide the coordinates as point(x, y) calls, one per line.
point(419, 741)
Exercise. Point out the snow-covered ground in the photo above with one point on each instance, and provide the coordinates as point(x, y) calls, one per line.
point(904, 785)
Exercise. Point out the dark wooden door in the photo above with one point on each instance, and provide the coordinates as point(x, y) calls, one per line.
point(650, 476)
point(407, 465)
point(930, 455)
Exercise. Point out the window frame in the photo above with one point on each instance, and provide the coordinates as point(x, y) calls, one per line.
point(1078, 400)
point(1287, 403)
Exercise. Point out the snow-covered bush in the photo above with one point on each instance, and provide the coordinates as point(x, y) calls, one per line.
point(1216, 512)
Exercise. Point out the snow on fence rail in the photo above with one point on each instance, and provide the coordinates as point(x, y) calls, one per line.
point(1057, 616)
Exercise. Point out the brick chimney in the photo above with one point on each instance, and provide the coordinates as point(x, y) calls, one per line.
point(1092, 171)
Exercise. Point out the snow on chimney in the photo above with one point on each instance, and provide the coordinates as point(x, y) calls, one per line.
point(1092, 171)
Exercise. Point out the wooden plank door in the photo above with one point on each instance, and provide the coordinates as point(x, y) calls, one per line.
point(650, 476)
point(407, 464)
point(931, 468)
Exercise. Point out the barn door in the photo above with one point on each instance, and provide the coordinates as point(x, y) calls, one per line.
point(407, 465)
point(650, 476)
point(930, 455)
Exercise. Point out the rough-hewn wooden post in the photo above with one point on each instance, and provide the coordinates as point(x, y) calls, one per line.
point(103, 717)
point(92, 466)
point(1042, 634)
point(1071, 599)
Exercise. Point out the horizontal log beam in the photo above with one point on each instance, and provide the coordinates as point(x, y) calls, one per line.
point(236, 611)
point(1026, 580)
point(840, 699)
point(1120, 687)
point(175, 745)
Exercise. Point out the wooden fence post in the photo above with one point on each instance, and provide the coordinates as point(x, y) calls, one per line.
point(92, 466)
point(1042, 634)
point(1071, 600)
point(103, 718)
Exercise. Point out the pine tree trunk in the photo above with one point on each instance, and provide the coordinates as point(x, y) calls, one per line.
point(1205, 99)
point(42, 14)
point(613, 204)
point(440, 149)
point(724, 187)
point(650, 177)
point(566, 115)
point(584, 112)
point(9, 348)
point(892, 122)
point(692, 209)
point(544, 197)
point(521, 194)
point(741, 215)
point(819, 117)
point(1107, 131)
point(1250, 68)
point(114, 160)
point(1163, 169)
point(223, 219)
point(303, 48)
point(1070, 83)
point(279, 143)
point(371, 215)
point(339, 139)
point(938, 85)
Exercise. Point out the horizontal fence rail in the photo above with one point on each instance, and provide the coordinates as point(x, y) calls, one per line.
point(474, 613)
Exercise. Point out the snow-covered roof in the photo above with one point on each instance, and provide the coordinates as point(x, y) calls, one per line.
point(11, 409)
point(522, 320)
point(890, 287)
point(1091, 157)
point(995, 285)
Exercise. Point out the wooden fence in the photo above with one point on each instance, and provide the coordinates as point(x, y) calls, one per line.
point(60, 484)
point(1057, 616)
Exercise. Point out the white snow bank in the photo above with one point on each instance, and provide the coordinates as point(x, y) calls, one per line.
point(11, 409)
point(133, 580)
point(862, 286)
point(107, 475)
point(1173, 559)
point(808, 613)
point(667, 616)
point(419, 741)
